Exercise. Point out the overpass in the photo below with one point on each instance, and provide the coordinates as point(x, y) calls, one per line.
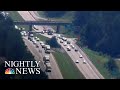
point(47, 22)
point(42, 23)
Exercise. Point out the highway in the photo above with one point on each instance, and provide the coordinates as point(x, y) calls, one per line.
point(88, 69)
point(55, 73)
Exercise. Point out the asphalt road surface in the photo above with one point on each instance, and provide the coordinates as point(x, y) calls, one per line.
point(38, 54)
point(88, 69)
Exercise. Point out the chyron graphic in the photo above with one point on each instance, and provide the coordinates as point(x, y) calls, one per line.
point(9, 71)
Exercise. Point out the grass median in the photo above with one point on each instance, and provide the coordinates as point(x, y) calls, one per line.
point(67, 66)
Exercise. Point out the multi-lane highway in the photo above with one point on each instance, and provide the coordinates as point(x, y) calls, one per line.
point(88, 69)
point(38, 55)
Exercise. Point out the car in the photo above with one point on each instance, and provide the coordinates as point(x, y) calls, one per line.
point(65, 43)
point(22, 33)
point(34, 41)
point(76, 49)
point(41, 42)
point(34, 27)
point(61, 41)
point(72, 46)
point(42, 32)
point(68, 42)
point(25, 34)
point(58, 36)
point(37, 46)
point(64, 39)
point(81, 56)
point(68, 48)
point(35, 38)
point(38, 39)
point(43, 45)
point(77, 61)
point(31, 35)
point(84, 61)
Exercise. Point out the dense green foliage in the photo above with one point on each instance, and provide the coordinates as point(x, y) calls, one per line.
point(113, 68)
point(53, 42)
point(13, 48)
point(99, 30)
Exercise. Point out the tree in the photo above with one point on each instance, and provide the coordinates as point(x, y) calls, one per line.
point(99, 30)
point(12, 46)
point(113, 68)
point(53, 42)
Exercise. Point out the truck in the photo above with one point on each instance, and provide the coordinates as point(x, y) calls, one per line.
point(47, 49)
point(46, 58)
point(48, 67)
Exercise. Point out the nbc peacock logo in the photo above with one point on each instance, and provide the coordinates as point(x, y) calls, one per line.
point(9, 71)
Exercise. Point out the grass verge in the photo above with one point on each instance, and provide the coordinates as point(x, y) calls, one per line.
point(42, 38)
point(99, 61)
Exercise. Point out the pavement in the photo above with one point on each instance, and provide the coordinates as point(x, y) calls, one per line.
point(88, 69)
point(55, 72)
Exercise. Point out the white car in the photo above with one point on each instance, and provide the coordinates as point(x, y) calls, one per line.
point(68, 48)
point(72, 46)
point(84, 61)
point(65, 44)
point(35, 38)
point(34, 41)
point(25, 34)
point(37, 46)
point(38, 39)
point(58, 36)
point(41, 42)
point(43, 45)
point(64, 39)
point(31, 35)
point(77, 61)
point(61, 41)
point(76, 49)
point(81, 56)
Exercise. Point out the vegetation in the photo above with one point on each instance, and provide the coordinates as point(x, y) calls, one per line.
point(67, 67)
point(99, 61)
point(53, 42)
point(12, 46)
point(105, 64)
point(58, 15)
point(100, 27)
point(99, 31)
point(42, 38)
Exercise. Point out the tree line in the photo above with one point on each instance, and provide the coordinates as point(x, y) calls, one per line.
point(99, 30)
point(13, 48)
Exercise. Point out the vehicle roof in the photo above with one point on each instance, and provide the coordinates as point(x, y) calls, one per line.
point(48, 64)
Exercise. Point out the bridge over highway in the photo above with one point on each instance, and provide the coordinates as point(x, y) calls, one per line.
point(42, 22)
point(50, 22)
